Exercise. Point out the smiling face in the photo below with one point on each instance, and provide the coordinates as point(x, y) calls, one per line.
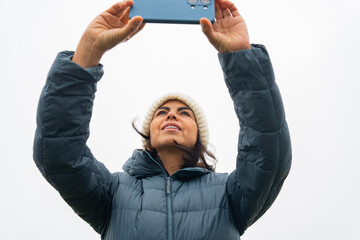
point(173, 121)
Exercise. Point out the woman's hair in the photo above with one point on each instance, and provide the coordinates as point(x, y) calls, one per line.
point(194, 157)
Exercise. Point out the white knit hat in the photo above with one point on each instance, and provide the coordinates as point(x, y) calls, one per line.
point(199, 116)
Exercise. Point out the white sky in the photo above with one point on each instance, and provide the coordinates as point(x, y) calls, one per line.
point(314, 46)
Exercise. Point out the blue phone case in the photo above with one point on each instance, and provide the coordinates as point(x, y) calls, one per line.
point(173, 11)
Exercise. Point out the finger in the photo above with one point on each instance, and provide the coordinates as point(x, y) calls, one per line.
point(118, 8)
point(125, 17)
point(226, 13)
point(218, 11)
point(231, 6)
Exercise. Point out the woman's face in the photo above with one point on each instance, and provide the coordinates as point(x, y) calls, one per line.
point(173, 121)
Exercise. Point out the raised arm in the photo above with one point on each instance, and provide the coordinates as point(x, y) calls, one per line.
point(63, 116)
point(264, 149)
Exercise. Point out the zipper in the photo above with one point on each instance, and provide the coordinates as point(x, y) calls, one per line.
point(169, 207)
point(168, 196)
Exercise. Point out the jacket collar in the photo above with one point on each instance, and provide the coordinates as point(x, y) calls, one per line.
point(141, 165)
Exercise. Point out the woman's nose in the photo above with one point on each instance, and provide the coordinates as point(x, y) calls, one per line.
point(171, 115)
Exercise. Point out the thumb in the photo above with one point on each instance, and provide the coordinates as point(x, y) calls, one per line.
point(209, 32)
point(207, 28)
point(131, 27)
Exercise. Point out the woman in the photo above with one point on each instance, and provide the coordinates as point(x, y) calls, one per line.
point(168, 190)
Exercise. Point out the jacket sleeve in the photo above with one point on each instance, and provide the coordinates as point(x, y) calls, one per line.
point(60, 150)
point(264, 149)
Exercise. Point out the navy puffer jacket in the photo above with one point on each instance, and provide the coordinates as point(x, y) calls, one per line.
point(144, 202)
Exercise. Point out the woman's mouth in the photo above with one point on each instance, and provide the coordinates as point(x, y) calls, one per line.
point(171, 127)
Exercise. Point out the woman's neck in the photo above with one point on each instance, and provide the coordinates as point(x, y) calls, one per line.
point(172, 159)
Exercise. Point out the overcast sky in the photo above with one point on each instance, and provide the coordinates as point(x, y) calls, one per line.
point(314, 47)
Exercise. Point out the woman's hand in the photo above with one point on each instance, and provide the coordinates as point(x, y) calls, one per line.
point(105, 32)
point(229, 32)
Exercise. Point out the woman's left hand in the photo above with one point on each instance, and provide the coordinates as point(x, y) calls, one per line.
point(229, 32)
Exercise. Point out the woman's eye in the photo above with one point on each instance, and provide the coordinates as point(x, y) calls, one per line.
point(162, 112)
point(185, 114)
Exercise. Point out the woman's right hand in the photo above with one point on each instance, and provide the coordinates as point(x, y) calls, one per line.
point(105, 32)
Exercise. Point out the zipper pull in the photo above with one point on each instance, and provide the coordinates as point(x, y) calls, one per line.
point(168, 185)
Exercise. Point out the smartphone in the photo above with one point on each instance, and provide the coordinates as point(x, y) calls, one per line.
point(173, 11)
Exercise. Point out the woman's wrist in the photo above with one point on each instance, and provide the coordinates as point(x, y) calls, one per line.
point(243, 46)
point(87, 54)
